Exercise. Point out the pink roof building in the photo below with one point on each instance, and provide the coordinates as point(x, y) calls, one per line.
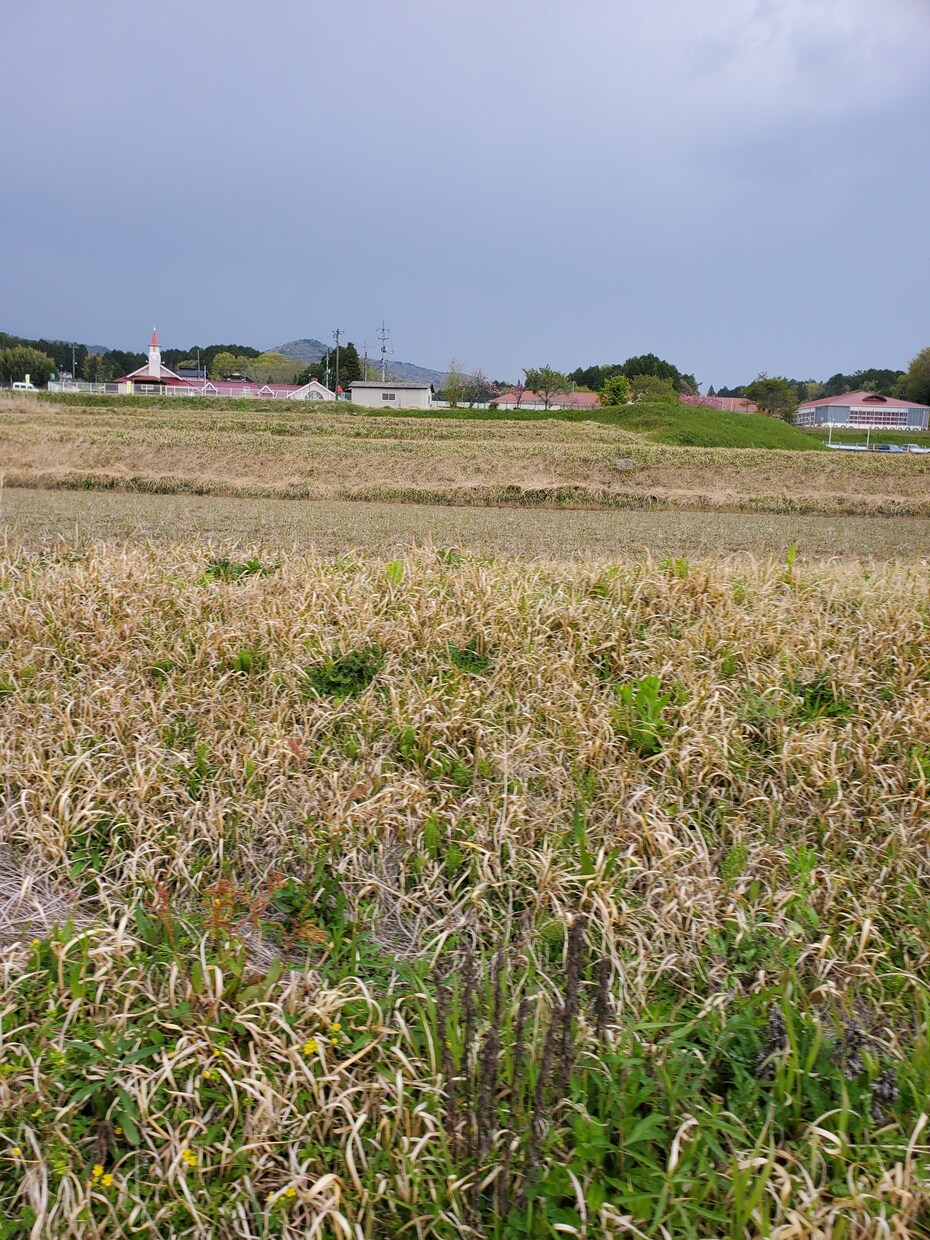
point(727, 404)
point(155, 378)
point(863, 409)
point(528, 399)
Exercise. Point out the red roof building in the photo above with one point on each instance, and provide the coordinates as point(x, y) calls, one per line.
point(527, 399)
point(727, 404)
point(153, 376)
point(865, 410)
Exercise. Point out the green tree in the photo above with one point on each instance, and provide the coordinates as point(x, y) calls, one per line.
point(268, 368)
point(546, 382)
point(94, 368)
point(117, 363)
point(595, 377)
point(223, 364)
point(453, 388)
point(350, 366)
point(774, 395)
point(19, 361)
point(916, 383)
point(60, 351)
point(617, 390)
point(653, 387)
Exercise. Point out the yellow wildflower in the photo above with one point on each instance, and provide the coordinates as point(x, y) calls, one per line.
point(311, 1046)
point(16, 1152)
point(334, 1041)
point(96, 1171)
point(335, 1026)
point(291, 1191)
point(107, 1180)
point(118, 1130)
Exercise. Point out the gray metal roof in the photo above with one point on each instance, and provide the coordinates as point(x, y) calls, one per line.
point(390, 383)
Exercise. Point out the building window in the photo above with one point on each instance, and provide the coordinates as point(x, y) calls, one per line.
point(389, 396)
point(878, 417)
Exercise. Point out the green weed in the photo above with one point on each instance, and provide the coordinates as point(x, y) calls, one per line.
point(344, 675)
point(639, 716)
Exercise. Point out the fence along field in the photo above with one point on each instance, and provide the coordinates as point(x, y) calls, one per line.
point(450, 897)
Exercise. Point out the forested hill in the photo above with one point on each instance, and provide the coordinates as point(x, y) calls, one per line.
point(310, 351)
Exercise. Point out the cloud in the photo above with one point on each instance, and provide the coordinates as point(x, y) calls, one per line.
point(790, 56)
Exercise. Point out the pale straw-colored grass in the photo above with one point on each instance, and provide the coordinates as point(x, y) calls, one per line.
point(764, 849)
point(308, 453)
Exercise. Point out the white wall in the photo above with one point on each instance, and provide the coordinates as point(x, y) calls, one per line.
point(404, 398)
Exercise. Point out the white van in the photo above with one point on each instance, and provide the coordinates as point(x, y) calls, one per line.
point(25, 387)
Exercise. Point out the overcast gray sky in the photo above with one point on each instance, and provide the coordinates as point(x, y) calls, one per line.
point(739, 185)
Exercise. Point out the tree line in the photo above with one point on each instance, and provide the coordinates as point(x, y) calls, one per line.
point(780, 396)
point(646, 377)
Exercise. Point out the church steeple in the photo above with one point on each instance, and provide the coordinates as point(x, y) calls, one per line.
point(155, 355)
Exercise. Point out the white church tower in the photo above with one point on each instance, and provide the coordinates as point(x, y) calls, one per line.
point(155, 356)
point(153, 376)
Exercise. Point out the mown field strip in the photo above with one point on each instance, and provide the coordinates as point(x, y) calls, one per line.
point(334, 526)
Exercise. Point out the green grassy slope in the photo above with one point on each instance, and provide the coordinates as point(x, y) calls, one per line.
point(682, 425)
point(676, 424)
point(709, 428)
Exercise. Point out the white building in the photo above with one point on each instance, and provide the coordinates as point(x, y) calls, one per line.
point(151, 378)
point(392, 394)
point(314, 390)
point(863, 410)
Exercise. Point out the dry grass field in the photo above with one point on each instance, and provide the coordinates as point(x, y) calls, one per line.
point(443, 896)
point(247, 526)
point(327, 454)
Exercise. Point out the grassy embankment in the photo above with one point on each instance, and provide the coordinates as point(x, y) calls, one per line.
point(676, 424)
point(313, 453)
point(458, 898)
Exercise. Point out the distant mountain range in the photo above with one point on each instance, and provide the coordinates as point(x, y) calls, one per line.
point(306, 352)
point(310, 351)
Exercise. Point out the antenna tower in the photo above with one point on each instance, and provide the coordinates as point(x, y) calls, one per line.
point(384, 336)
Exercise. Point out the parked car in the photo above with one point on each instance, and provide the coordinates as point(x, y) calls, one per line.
point(889, 447)
point(915, 447)
point(25, 387)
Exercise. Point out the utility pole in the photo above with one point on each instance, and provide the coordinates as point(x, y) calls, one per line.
point(73, 363)
point(336, 334)
point(383, 337)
